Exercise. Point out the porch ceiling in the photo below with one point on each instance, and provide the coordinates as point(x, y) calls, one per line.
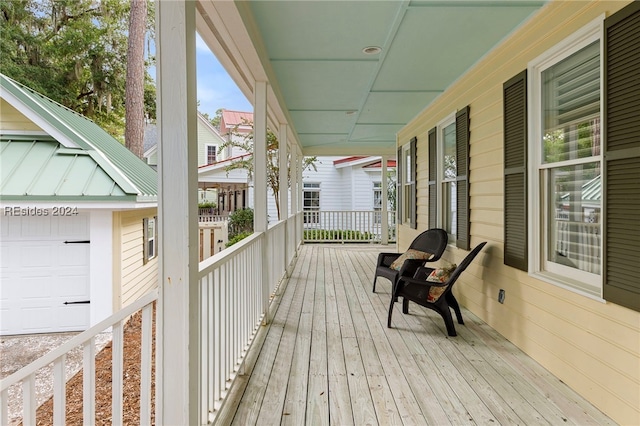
point(340, 100)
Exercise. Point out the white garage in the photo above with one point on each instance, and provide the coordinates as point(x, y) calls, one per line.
point(73, 204)
point(44, 273)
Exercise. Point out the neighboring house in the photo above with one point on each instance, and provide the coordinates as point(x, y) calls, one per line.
point(78, 222)
point(344, 183)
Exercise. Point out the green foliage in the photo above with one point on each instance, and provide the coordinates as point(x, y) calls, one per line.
point(207, 205)
point(337, 234)
point(241, 236)
point(240, 221)
point(245, 142)
point(73, 51)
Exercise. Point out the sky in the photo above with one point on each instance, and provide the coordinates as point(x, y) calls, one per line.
point(215, 88)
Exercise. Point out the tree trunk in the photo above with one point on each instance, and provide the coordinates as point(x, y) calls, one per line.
point(134, 91)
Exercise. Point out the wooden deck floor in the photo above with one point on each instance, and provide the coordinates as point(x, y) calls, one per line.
point(328, 358)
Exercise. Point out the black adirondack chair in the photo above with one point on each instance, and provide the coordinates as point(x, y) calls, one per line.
point(416, 289)
point(432, 241)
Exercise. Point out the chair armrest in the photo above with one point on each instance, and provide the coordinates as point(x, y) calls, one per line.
point(410, 266)
point(423, 272)
point(409, 280)
point(387, 259)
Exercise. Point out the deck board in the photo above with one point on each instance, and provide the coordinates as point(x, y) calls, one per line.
point(329, 358)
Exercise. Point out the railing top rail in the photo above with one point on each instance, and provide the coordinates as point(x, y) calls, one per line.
point(79, 340)
point(222, 257)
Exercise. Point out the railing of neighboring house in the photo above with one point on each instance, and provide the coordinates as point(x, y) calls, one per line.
point(347, 226)
point(580, 243)
point(86, 340)
point(236, 288)
point(206, 217)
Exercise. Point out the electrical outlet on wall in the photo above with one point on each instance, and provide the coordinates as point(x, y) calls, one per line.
point(501, 296)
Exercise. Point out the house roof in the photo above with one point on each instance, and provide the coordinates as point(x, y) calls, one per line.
point(75, 159)
point(230, 119)
point(365, 162)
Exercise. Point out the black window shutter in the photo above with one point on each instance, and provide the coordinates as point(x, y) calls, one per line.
point(433, 177)
point(399, 178)
point(515, 172)
point(462, 179)
point(621, 124)
point(413, 213)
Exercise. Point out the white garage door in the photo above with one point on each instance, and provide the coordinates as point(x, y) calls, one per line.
point(44, 273)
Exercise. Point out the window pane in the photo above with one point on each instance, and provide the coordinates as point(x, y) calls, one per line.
point(574, 229)
point(449, 211)
point(571, 107)
point(449, 167)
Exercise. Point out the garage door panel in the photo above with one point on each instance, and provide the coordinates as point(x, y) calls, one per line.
point(73, 317)
point(73, 226)
point(73, 255)
point(72, 287)
point(37, 319)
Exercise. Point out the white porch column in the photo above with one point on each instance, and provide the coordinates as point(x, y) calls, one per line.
point(260, 157)
point(283, 150)
point(294, 181)
point(177, 338)
point(299, 178)
point(300, 188)
point(385, 201)
point(260, 212)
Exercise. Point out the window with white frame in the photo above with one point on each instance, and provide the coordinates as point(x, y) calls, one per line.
point(150, 239)
point(447, 176)
point(311, 202)
point(566, 163)
point(212, 154)
point(377, 202)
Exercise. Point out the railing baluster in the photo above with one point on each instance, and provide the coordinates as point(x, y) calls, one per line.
point(59, 391)
point(88, 382)
point(117, 353)
point(29, 400)
point(4, 407)
point(146, 341)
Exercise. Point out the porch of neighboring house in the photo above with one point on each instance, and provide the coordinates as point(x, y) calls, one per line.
point(327, 357)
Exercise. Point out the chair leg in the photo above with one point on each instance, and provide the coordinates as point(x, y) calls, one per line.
point(375, 277)
point(448, 321)
point(390, 313)
point(451, 300)
point(405, 305)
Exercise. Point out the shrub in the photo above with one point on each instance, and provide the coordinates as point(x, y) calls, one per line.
point(240, 221)
point(239, 237)
point(207, 205)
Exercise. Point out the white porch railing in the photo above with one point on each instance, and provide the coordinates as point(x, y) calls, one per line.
point(86, 340)
point(347, 226)
point(235, 291)
point(236, 288)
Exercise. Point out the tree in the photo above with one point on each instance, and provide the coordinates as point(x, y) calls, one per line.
point(134, 89)
point(245, 142)
point(73, 51)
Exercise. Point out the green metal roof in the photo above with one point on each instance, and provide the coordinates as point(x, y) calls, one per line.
point(82, 161)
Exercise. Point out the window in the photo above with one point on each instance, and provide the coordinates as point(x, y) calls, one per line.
point(311, 202)
point(150, 239)
point(447, 176)
point(581, 168)
point(566, 163)
point(406, 192)
point(212, 151)
point(377, 202)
